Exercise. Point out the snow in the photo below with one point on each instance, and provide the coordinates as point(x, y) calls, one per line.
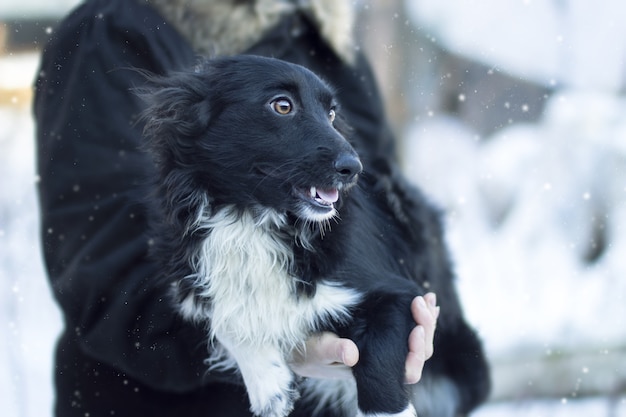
point(536, 213)
point(556, 408)
point(30, 319)
point(532, 201)
point(576, 43)
point(30, 8)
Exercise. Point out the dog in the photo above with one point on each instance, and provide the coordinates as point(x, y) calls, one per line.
point(269, 229)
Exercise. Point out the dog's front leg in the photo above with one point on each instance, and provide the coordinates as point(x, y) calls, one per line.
point(381, 332)
point(269, 381)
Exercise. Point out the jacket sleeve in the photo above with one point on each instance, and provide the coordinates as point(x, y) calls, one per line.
point(91, 169)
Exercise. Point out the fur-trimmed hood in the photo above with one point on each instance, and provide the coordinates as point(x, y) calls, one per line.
point(228, 27)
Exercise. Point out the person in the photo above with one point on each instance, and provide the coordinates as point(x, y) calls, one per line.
point(124, 351)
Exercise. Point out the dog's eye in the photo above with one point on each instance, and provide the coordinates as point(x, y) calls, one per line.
point(282, 106)
point(331, 115)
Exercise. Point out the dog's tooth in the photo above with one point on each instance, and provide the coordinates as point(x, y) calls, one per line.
point(313, 192)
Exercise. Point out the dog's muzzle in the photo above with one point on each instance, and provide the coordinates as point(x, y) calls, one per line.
point(348, 166)
point(320, 199)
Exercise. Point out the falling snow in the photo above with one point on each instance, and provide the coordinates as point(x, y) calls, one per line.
point(536, 218)
point(536, 212)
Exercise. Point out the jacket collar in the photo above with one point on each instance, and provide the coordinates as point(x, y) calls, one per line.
point(229, 27)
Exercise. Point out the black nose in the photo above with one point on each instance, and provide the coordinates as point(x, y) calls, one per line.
point(348, 166)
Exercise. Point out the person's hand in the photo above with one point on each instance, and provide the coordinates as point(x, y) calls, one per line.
point(425, 313)
point(328, 356)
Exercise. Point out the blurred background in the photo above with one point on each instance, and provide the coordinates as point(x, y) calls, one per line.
point(511, 115)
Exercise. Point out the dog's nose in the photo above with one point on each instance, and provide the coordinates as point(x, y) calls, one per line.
point(348, 166)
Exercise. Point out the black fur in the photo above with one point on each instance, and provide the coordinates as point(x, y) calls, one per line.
point(217, 141)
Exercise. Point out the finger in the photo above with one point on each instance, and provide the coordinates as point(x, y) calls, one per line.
point(425, 315)
point(349, 352)
point(328, 348)
point(325, 355)
point(417, 356)
point(431, 302)
point(333, 349)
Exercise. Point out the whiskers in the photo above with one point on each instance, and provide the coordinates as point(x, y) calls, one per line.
point(283, 172)
point(308, 228)
point(326, 224)
point(296, 177)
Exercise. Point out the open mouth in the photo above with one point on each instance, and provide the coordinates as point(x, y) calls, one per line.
point(323, 199)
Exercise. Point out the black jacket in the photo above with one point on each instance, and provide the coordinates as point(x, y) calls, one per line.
point(124, 351)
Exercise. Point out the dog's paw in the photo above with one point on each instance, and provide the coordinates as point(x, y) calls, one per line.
point(273, 392)
point(279, 404)
point(269, 381)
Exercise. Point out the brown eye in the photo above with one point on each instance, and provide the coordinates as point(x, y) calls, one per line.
point(331, 115)
point(282, 106)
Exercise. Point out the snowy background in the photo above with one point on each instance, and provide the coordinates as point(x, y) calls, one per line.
point(516, 127)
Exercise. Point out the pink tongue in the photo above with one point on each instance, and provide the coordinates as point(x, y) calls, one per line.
point(330, 196)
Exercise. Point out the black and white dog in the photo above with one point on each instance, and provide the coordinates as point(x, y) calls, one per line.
point(268, 237)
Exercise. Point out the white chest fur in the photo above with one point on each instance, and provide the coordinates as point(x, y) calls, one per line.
point(243, 271)
point(243, 267)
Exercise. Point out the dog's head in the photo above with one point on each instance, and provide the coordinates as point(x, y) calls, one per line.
point(253, 131)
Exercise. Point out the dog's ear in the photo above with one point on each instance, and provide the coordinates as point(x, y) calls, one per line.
point(178, 110)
